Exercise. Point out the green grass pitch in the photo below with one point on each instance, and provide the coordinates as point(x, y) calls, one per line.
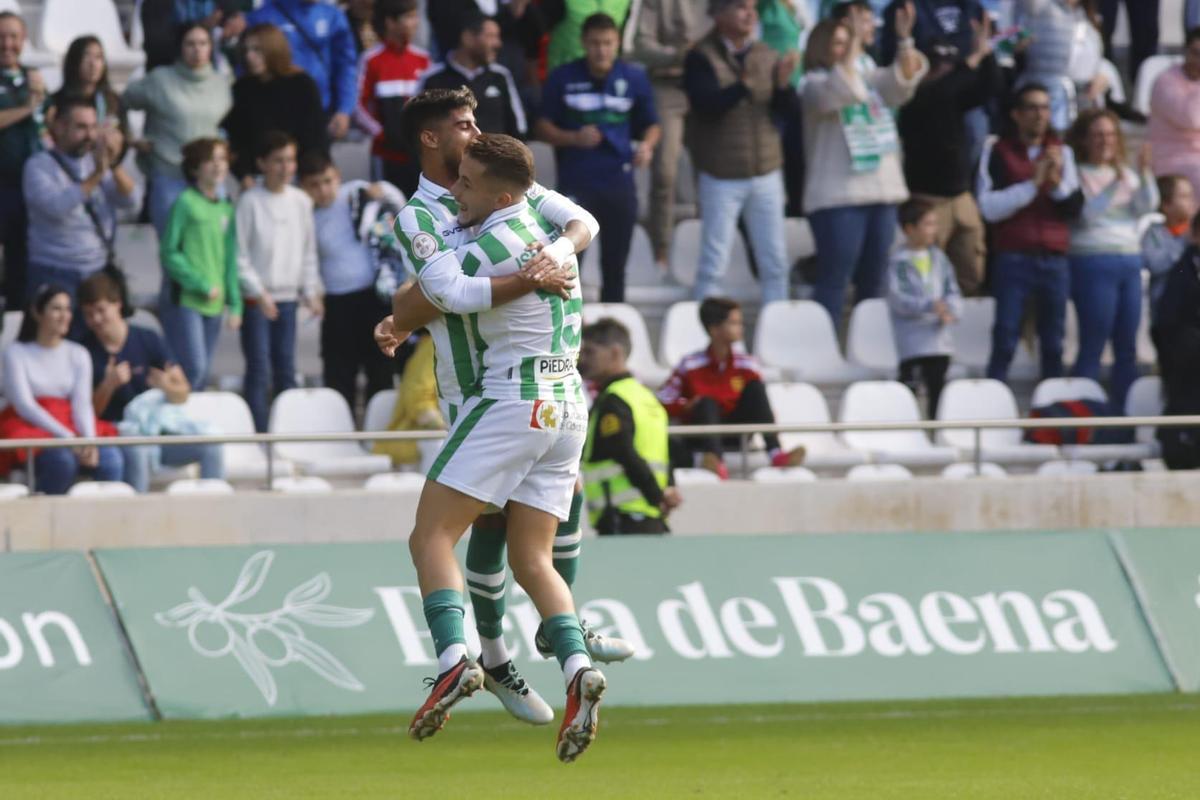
point(1096, 747)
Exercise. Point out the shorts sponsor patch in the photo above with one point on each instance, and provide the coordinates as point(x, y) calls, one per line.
point(424, 245)
point(545, 416)
point(550, 415)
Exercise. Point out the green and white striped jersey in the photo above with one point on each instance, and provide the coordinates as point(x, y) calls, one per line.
point(527, 349)
point(430, 234)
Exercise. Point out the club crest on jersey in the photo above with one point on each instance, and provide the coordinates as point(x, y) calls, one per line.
point(544, 416)
point(424, 245)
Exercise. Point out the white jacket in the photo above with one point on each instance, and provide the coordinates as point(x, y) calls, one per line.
point(277, 244)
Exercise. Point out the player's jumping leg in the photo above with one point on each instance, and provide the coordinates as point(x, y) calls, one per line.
point(531, 535)
point(567, 545)
point(443, 514)
point(486, 572)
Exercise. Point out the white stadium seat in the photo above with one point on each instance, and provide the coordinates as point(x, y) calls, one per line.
point(973, 334)
point(890, 401)
point(1067, 468)
point(798, 238)
point(870, 342)
point(964, 470)
point(987, 399)
point(738, 281)
point(379, 413)
point(800, 403)
point(1148, 73)
point(1145, 399)
point(644, 280)
point(681, 334)
point(797, 336)
point(1057, 390)
point(136, 247)
point(695, 477)
point(144, 319)
point(321, 411)
point(641, 359)
point(13, 491)
point(784, 475)
point(228, 413)
point(304, 484)
point(395, 482)
point(878, 472)
point(91, 489)
point(545, 168)
point(64, 20)
point(201, 486)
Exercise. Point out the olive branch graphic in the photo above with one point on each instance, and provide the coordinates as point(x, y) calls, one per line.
point(271, 639)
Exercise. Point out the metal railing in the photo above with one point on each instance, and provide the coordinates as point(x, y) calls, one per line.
point(744, 433)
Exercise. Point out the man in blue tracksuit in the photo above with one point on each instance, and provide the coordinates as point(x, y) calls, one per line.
point(323, 46)
point(598, 113)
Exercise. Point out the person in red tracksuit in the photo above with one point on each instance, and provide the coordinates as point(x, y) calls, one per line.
point(388, 77)
point(720, 385)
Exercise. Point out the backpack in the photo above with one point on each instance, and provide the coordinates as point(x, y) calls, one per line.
point(1065, 409)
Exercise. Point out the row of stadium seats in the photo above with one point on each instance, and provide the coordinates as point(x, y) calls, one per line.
point(54, 25)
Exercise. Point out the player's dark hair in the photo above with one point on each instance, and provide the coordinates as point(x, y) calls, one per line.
point(390, 9)
point(272, 141)
point(183, 30)
point(504, 158)
point(314, 162)
point(607, 332)
point(197, 152)
point(41, 299)
point(599, 22)
point(473, 22)
point(715, 310)
point(912, 211)
point(1019, 96)
point(428, 108)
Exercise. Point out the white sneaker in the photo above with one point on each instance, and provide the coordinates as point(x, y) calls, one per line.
point(516, 695)
point(581, 718)
point(605, 649)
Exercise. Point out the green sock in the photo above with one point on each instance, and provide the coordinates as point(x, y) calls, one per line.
point(566, 542)
point(444, 615)
point(485, 580)
point(566, 634)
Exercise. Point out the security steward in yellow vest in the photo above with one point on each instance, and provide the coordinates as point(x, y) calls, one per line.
point(626, 463)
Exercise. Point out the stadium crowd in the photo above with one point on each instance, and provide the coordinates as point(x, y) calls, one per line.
point(939, 149)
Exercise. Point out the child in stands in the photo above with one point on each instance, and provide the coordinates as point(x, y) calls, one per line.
point(1164, 242)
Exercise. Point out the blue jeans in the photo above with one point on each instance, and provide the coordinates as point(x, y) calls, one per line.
point(193, 339)
point(1016, 276)
point(759, 202)
point(1107, 290)
point(853, 244)
point(55, 470)
point(139, 461)
point(270, 352)
point(40, 275)
point(164, 191)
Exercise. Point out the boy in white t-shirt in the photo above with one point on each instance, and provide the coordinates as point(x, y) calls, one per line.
point(277, 267)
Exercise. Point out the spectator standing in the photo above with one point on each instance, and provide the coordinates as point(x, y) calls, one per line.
point(277, 264)
point(1105, 252)
point(1164, 242)
point(735, 86)
point(784, 28)
point(1143, 30)
point(390, 76)
point(1176, 334)
point(127, 361)
point(199, 255)
point(924, 300)
point(854, 178)
point(183, 101)
point(598, 112)
point(48, 384)
point(361, 14)
point(322, 46)
point(473, 65)
point(938, 24)
point(348, 272)
point(564, 20)
point(722, 385)
point(85, 75)
point(22, 96)
point(1027, 189)
point(665, 32)
point(73, 192)
point(1174, 130)
point(938, 164)
point(627, 457)
point(273, 95)
point(1065, 56)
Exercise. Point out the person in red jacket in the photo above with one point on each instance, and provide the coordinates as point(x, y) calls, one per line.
point(388, 76)
point(722, 386)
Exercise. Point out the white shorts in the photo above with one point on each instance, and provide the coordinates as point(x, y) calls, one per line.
point(527, 451)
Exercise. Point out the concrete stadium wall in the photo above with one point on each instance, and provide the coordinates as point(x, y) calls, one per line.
point(1160, 499)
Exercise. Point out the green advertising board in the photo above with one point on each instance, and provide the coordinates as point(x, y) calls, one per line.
point(1164, 568)
point(61, 655)
point(315, 629)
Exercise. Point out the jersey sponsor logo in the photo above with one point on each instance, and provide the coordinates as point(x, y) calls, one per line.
point(424, 245)
point(554, 368)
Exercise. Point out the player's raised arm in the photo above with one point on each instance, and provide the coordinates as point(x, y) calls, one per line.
point(579, 228)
